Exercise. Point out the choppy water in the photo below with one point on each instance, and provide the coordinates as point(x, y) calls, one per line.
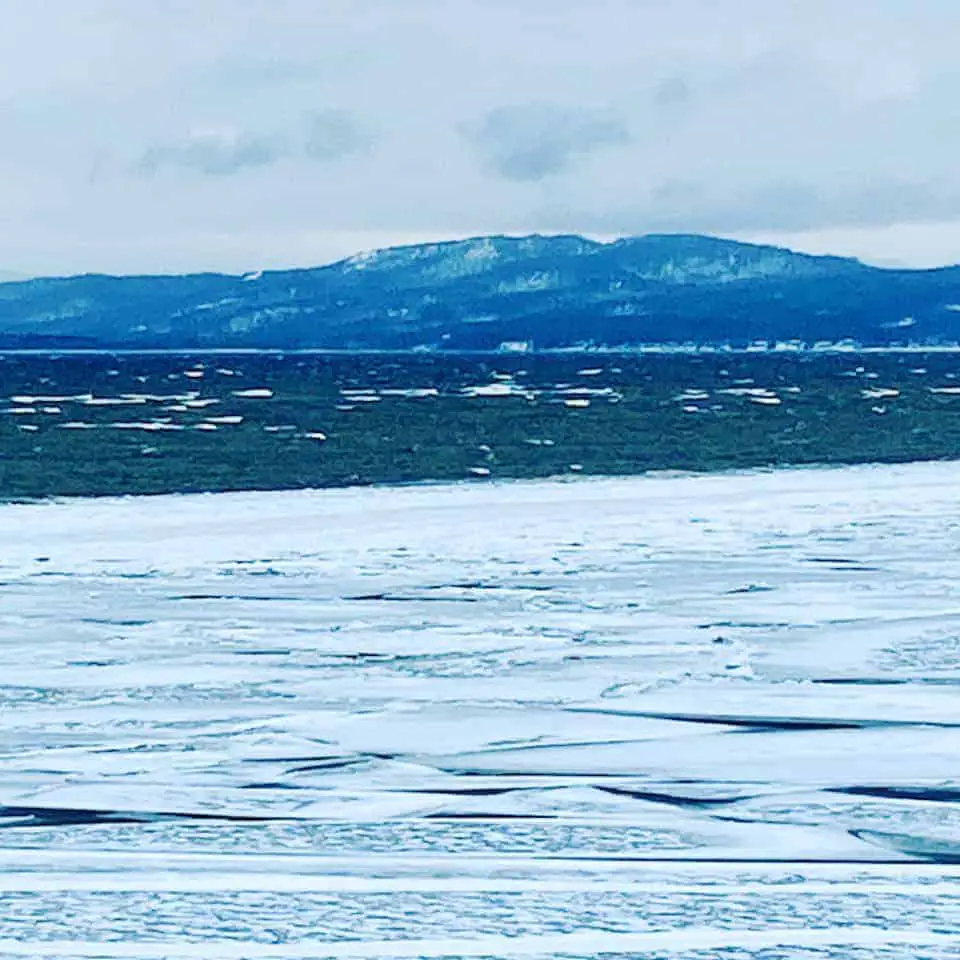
point(673, 718)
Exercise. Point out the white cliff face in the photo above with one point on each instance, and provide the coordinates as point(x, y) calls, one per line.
point(682, 260)
point(727, 270)
point(674, 260)
point(464, 258)
point(530, 282)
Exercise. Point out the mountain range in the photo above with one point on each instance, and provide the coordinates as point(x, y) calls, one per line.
point(551, 292)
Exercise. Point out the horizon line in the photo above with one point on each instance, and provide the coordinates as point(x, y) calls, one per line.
point(601, 240)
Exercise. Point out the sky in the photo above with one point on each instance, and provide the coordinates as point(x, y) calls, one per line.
point(184, 135)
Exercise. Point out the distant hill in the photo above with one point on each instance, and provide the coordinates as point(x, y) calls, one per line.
point(551, 291)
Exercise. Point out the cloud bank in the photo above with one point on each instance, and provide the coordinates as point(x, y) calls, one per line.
point(168, 135)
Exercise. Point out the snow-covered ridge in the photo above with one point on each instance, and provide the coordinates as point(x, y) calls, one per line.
point(553, 291)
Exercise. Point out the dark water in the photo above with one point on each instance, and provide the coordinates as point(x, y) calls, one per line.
point(79, 425)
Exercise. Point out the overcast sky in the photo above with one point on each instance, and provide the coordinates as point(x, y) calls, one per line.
point(174, 135)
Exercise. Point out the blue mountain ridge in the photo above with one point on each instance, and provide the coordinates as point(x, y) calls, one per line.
point(554, 292)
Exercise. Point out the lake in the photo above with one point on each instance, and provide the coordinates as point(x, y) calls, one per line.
point(667, 717)
point(164, 423)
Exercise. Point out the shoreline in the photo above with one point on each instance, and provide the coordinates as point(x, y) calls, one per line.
point(491, 481)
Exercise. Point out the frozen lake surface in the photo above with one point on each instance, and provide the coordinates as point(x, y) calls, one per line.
point(698, 717)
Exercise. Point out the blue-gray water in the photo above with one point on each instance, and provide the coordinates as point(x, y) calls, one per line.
point(699, 717)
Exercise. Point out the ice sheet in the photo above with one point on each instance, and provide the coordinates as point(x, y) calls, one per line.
point(544, 718)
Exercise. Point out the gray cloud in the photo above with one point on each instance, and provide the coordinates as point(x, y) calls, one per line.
point(332, 134)
point(212, 153)
point(784, 205)
point(532, 141)
point(672, 93)
point(323, 135)
point(796, 205)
